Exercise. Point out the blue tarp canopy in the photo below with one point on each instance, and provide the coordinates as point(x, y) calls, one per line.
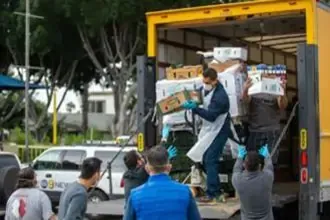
point(10, 83)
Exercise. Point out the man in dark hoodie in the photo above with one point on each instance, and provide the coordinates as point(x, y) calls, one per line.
point(136, 174)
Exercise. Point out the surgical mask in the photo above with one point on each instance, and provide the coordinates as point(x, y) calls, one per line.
point(208, 87)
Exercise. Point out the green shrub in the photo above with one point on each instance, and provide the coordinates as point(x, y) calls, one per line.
point(97, 135)
point(18, 136)
point(72, 139)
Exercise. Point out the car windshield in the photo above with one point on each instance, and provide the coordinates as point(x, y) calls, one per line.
point(8, 160)
point(106, 156)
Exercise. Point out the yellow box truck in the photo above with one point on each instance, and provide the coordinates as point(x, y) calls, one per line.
point(295, 33)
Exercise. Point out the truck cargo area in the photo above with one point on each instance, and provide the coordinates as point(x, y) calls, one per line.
point(270, 39)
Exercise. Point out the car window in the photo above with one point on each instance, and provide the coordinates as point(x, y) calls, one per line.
point(8, 160)
point(106, 156)
point(72, 159)
point(50, 160)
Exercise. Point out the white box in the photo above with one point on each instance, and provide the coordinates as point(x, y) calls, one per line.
point(232, 82)
point(266, 86)
point(237, 106)
point(177, 118)
point(165, 88)
point(223, 54)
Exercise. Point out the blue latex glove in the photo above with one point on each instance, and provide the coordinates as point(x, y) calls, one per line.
point(241, 152)
point(189, 105)
point(166, 131)
point(172, 152)
point(264, 151)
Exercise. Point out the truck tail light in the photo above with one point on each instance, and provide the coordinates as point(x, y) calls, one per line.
point(304, 159)
point(303, 175)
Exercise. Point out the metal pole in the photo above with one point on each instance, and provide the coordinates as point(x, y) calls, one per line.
point(27, 77)
point(55, 116)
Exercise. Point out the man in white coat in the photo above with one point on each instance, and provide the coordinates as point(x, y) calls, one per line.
point(214, 132)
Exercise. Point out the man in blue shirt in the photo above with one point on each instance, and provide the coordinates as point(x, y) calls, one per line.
point(160, 198)
point(213, 134)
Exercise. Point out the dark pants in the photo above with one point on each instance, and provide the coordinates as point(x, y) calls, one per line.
point(258, 139)
point(211, 162)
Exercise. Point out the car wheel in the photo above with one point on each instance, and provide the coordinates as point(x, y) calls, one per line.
point(95, 197)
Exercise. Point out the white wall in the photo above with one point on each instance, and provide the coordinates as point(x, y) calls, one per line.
point(107, 97)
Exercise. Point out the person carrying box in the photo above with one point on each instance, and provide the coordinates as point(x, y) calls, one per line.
point(264, 119)
point(213, 134)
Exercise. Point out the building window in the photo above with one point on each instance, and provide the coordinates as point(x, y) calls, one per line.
point(96, 106)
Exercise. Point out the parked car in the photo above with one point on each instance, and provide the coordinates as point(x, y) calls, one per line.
point(9, 168)
point(59, 166)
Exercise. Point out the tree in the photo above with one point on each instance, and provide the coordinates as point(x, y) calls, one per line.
point(54, 47)
point(115, 34)
point(70, 106)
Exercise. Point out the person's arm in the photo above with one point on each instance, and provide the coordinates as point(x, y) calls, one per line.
point(129, 211)
point(268, 168)
point(76, 207)
point(237, 171)
point(193, 212)
point(245, 96)
point(219, 105)
point(282, 101)
point(46, 207)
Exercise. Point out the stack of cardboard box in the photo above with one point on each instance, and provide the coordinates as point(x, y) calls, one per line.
point(184, 83)
point(181, 84)
point(229, 63)
point(267, 80)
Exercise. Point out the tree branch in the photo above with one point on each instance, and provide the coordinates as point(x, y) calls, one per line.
point(123, 110)
point(118, 49)
point(89, 49)
point(72, 72)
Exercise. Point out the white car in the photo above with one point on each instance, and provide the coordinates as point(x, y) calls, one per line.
point(59, 166)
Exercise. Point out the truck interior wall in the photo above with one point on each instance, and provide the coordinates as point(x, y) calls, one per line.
point(179, 46)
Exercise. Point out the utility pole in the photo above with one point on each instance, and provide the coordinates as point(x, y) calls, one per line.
point(27, 73)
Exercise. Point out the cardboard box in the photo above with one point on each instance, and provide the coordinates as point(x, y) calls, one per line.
point(165, 88)
point(173, 103)
point(223, 54)
point(232, 82)
point(185, 72)
point(266, 86)
point(196, 96)
point(177, 118)
point(237, 106)
point(220, 67)
point(269, 71)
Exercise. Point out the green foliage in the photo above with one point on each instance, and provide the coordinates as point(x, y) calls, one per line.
point(72, 139)
point(97, 135)
point(18, 136)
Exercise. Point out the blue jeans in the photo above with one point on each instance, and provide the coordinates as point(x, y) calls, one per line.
point(211, 162)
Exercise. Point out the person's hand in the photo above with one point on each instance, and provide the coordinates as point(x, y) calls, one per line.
point(264, 151)
point(166, 131)
point(172, 152)
point(189, 105)
point(241, 152)
point(247, 84)
point(283, 85)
